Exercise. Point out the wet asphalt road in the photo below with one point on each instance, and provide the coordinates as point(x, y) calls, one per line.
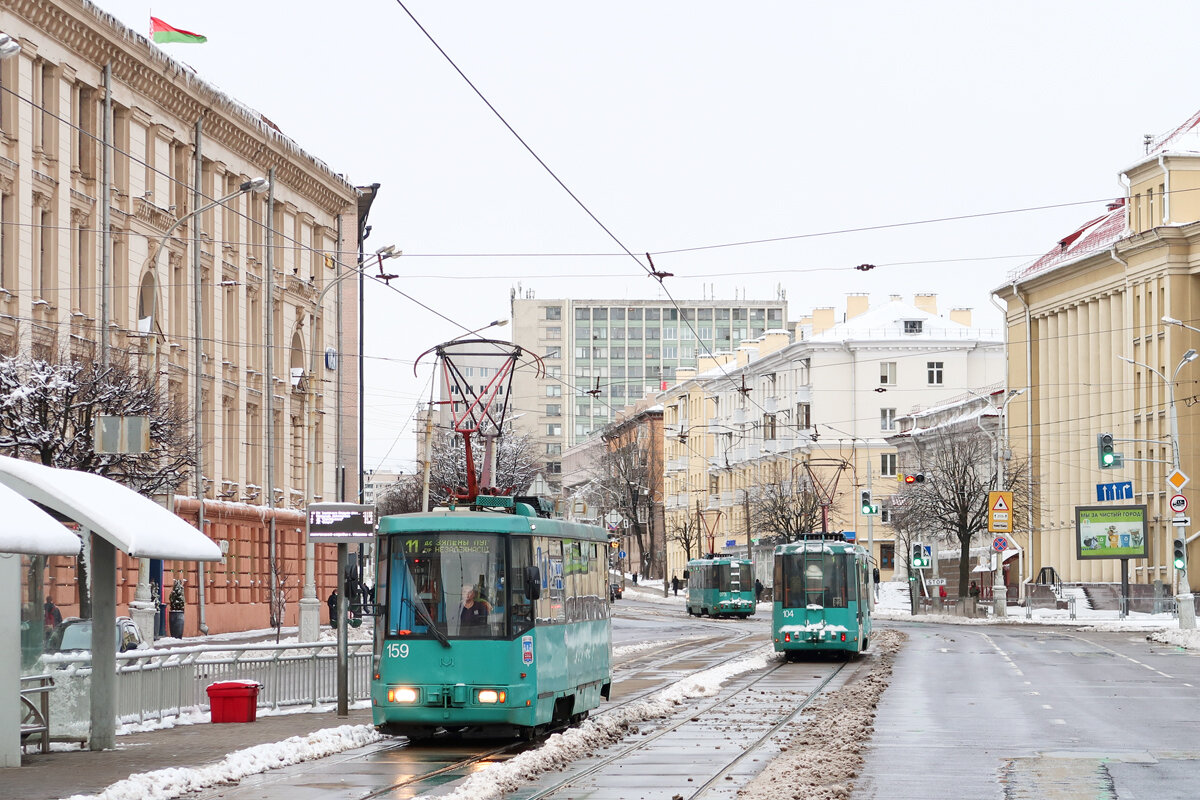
point(1023, 712)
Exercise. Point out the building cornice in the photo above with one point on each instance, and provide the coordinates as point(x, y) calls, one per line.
point(100, 39)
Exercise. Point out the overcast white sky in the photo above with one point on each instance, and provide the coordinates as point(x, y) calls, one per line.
point(688, 125)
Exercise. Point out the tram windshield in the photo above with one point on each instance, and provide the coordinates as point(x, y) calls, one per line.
point(815, 579)
point(446, 585)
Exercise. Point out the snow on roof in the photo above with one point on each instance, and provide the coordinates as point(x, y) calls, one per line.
point(887, 321)
point(1093, 236)
point(25, 528)
point(133, 523)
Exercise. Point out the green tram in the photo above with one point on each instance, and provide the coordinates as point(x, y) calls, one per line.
point(720, 587)
point(823, 597)
point(491, 619)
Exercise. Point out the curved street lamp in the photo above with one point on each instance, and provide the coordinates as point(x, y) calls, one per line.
point(1183, 596)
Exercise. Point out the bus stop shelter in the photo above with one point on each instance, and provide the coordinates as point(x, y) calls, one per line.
point(117, 518)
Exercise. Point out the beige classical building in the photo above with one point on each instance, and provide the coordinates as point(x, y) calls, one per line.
point(273, 254)
point(814, 412)
point(1122, 285)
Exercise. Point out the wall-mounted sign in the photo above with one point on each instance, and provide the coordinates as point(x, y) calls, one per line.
point(1111, 532)
point(340, 522)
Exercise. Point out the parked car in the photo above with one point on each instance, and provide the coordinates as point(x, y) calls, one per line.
point(75, 634)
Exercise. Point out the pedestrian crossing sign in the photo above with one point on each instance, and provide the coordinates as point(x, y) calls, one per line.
point(1000, 506)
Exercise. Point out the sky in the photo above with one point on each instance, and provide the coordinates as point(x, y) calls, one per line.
point(750, 148)
point(604, 727)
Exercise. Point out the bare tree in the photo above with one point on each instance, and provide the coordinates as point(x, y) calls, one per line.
point(626, 471)
point(785, 509)
point(400, 497)
point(686, 532)
point(517, 463)
point(951, 504)
point(48, 410)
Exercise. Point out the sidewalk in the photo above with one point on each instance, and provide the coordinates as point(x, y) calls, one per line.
point(64, 773)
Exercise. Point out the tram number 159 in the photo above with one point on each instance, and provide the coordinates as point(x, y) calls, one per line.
point(397, 650)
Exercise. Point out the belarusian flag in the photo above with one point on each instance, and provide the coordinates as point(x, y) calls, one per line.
point(162, 32)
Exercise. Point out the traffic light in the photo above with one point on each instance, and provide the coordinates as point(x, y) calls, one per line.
point(1104, 450)
point(865, 502)
point(918, 556)
point(1180, 554)
point(918, 477)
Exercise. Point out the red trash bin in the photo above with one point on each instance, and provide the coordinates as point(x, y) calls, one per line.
point(234, 701)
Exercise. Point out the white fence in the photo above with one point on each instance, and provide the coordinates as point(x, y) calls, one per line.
point(153, 684)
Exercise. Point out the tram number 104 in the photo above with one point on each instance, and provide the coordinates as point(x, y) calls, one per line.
point(397, 650)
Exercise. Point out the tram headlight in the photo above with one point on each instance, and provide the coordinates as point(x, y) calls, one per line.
point(402, 694)
point(492, 696)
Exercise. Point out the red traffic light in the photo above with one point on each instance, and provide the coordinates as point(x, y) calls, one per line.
point(917, 478)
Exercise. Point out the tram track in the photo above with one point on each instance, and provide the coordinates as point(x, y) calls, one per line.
point(605, 766)
point(661, 671)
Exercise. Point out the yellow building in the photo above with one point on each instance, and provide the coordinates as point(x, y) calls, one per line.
point(1102, 329)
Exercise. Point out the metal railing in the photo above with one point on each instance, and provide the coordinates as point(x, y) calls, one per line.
point(153, 684)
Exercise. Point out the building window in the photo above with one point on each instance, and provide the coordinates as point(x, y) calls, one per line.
point(554, 332)
point(887, 465)
point(913, 326)
point(583, 332)
point(887, 419)
point(554, 467)
point(885, 515)
point(554, 429)
point(887, 373)
point(554, 390)
point(768, 426)
point(803, 415)
point(553, 352)
point(553, 312)
point(934, 369)
point(583, 313)
point(887, 555)
point(714, 484)
point(599, 334)
point(599, 313)
point(554, 449)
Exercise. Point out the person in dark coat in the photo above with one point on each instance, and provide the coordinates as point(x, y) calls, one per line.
point(332, 601)
point(52, 616)
point(675, 584)
point(758, 590)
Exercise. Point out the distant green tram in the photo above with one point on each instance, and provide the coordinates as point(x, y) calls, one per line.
point(720, 587)
point(492, 620)
point(823, 598)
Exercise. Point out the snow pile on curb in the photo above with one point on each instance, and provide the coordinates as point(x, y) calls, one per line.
point(172, 782)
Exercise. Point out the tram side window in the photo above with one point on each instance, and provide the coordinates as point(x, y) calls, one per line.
point(521, 575)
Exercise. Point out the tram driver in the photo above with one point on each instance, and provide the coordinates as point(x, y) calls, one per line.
point(474, 610)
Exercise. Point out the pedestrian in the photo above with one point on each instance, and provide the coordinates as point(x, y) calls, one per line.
point(52, 616)
point(974, 591)
point(675, 584)
point(875, 580)
point(332, 601)
point(758, 590)
point(942, 591)
point(635, 579)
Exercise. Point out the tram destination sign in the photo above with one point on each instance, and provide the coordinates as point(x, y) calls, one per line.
point(1110, 532)
point(340, 522)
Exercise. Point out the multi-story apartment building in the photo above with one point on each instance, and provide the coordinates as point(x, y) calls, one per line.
point(816, 412)
point(602, 355)
point(1102, 330)
point(184, 231)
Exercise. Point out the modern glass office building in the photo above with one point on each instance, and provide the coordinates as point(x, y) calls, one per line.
point(601, 355)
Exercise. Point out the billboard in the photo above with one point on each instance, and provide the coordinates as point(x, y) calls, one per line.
point(1111, 532)
point(340, 522)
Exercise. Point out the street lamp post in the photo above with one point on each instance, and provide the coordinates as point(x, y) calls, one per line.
point(310, 606)
point(1183, 596)
point(999, 590)
point(143, 609)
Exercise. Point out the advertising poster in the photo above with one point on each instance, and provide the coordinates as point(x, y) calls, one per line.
point(1110, 532)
